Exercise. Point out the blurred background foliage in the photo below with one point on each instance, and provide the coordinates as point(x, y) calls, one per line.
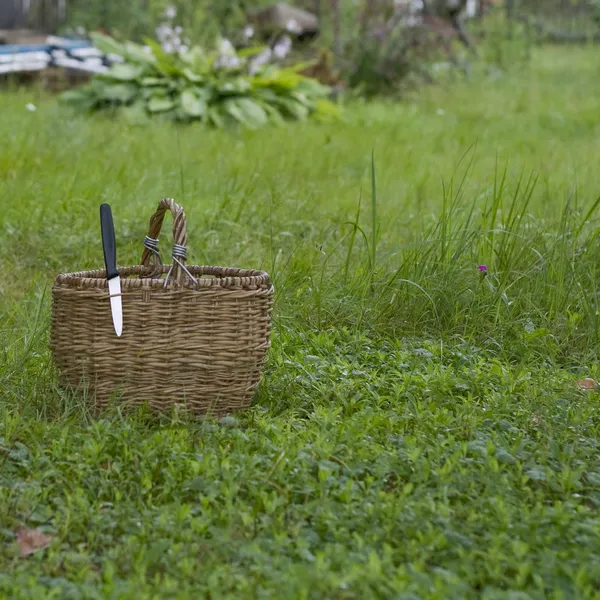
point(367, 46)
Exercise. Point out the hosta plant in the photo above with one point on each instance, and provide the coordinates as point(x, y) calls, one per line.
point(216, 87)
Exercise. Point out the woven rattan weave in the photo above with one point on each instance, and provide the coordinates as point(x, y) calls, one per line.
point(192, 336)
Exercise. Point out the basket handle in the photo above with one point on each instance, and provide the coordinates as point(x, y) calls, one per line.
point(179, 238)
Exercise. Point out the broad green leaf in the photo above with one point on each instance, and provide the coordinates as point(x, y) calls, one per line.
point(215, 117)
point(159, 104)
point(203, 92)
point(293, 108)
point(238, 85)
point(196, 59)
point(154, 81)
point(166, 63)
point(254, 111)
point(505, 457)
point(119, 92)
point(312, 87)
point(139, 54)
point(536, 473)
point(235, 112)
point(191, 76)
point(83, 99)
point(280, 79)
point(75, 96)
point(593, 478)
point(136, 113)
point(246, 111)
point(267, 95)
point(106, 44)
point(302, 98)
point(253, 51)
point(148, 92)
point(124, 72)
point(191, 104)
point(273, 114)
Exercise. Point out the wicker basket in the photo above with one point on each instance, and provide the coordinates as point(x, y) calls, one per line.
point(197, 337)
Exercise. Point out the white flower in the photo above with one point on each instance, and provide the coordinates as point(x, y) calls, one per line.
point(259, 60)
point(168, 37)
point(178, 29)
point(31, 107)
point(171, 12)
point(183, 49)
point(248, 31)
point(282, 47)
point(227, 62)
point(292, 26)
point(226, 47)
point(228, 58)
point(163, 32)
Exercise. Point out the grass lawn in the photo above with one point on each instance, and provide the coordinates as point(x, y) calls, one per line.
point(418, 433)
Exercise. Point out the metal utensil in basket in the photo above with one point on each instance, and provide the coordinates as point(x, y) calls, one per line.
point(195, 336)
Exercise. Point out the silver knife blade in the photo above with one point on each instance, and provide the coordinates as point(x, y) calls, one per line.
point(116, 306)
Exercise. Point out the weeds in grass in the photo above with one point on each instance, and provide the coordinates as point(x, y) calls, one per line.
point(418, 432)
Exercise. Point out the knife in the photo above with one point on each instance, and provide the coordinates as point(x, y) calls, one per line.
point(110, 261)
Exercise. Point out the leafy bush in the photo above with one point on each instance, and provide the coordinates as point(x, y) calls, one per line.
point(379, 66)
point(389, 59)
point(217, 88)
point(505, 43)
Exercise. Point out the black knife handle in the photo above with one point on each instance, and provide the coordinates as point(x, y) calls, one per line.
point(108, 241)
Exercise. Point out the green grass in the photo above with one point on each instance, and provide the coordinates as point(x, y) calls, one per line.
point(418, 433)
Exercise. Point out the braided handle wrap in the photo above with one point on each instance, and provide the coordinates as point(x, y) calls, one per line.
point(179, 232)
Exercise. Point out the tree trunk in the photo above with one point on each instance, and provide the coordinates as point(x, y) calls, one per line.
point(510, 9)
point(336, 19)
point(371, 10)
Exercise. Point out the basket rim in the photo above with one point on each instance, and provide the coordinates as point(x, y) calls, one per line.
point(223, 277)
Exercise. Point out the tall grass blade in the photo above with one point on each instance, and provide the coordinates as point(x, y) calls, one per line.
point(373, 220)
point(352, 238)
